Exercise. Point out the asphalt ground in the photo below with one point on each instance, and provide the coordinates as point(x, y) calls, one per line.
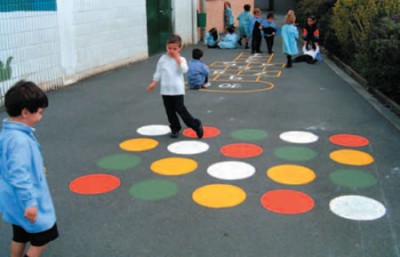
point(253, 101)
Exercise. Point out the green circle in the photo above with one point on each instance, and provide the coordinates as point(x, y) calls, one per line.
point(295, 153)
point(352, 178)
point(119, 162)
point(153, 190)
point(249, 134)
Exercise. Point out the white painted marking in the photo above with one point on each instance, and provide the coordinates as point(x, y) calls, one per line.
point(188, 147)
point(267, 64)
point(154, 130)
point(355, 207)
point(235, 78)
point(298, 137)
point(219, 72)
point(231, 170)
point(229, 86)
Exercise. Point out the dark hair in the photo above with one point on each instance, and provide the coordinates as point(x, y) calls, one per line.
point(24, 94)
point(174, 39)
point(230, 29)
point(270, 15)
point(197, 54)
point(214, 33)
point(247, 7)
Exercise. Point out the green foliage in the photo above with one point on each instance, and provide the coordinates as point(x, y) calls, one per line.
point(5, 70)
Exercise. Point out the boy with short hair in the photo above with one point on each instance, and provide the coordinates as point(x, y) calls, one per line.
point(25, 199)
point(170, 71)
point(198, 71)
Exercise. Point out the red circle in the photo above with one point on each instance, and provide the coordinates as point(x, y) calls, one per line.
point(241, 150)
point(349, 140)
point(94, 184)
point(287, 201)
point(208, 132)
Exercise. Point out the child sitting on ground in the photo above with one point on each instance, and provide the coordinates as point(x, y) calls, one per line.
point(212, 38)
point(230, 40)
point(198, 71)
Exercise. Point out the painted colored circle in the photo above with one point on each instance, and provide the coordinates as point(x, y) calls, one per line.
point(249, 134)
point(352, 178)
point(94, 184)
point(349, 140)
point(355, 207)
point(188, 147)
point(153, 190)
point(154, 130)
point(299, 137)
point(208, 132)
point(119, 162)
point(241, 150)
point(351, 157)
point(291, 174)
point(138, 144)
point(231, 170)
point(173, 166)
point(287, 201)
point(295, 153)
point(219, 196)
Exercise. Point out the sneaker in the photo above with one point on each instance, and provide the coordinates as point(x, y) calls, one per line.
point(174, 134)
point(208, 84)
point(199, 131)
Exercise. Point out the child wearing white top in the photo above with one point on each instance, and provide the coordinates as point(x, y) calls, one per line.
point(170, 71)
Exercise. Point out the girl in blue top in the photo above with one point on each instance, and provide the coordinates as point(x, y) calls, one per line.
point(255, 31)
point(230, 40)
point(228, 15)
point(270, 31)
point(212, 38)
point(25, 199)
point(290, 34)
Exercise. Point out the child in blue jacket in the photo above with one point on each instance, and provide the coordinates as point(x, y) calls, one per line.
point(230, 40)
point(25, 199)
point(198, 71)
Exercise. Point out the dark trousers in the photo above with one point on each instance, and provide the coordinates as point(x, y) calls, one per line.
point(174, 106)
point(256, 42)
point(305, 58)
point(270, 43)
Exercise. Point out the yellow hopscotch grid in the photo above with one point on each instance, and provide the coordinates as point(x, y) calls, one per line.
point(246, 68)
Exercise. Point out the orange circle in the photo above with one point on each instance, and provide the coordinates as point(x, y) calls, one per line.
point(94, 184)
point(351, 157)
point(349, 140)
point(208, 132)
point(287, 201)
point(241, 150)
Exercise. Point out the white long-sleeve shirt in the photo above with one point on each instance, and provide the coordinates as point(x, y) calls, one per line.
point(313, 53)
point(170, 75)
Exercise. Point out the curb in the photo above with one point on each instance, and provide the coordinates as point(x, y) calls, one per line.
point(389, 103)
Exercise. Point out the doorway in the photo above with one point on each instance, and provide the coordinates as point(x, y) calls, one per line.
point(159, 24)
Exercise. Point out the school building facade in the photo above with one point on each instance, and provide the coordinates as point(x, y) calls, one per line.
point(56, 43)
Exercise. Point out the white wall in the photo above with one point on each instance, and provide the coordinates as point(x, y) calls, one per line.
point(79, 39)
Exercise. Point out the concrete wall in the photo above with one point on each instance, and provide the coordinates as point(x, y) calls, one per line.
point(58, 42)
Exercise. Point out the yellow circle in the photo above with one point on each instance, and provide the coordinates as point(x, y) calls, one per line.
point(351, 157)
point(173, 166)
point(291, 174)
point(138, 144)
point(219, 196)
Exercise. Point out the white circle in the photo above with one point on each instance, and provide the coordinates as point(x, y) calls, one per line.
point(355, 207)
point(154, 130)
point(298, 137)
point(188, 147)
point(231, 170)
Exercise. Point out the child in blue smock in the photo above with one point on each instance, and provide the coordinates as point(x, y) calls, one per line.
point(244, 20)
point(230, 39)
point(25, 199)
point(290, 34)
point(255, 31)
point(212, 38)
point(270, 31)
point(198, 71)
point(228, 15)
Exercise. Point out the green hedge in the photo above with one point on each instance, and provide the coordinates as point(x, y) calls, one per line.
point(365, 34)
